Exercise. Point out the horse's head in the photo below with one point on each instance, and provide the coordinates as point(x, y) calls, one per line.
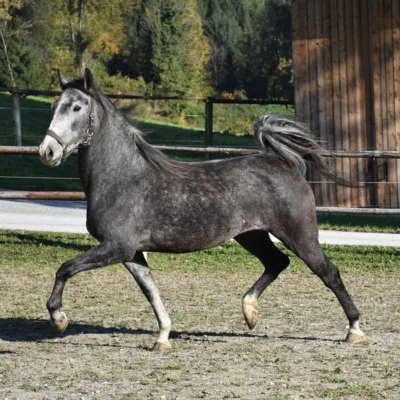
point(72, 123)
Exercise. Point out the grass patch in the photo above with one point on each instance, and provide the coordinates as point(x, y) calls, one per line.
point(37, 250)
point(359, 223)
point(362, 391)
point(227, 118)
point(29, 173)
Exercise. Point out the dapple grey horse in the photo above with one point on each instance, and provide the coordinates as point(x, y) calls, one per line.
point(140, 200)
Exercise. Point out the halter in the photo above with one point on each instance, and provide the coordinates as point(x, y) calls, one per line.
point(89, 132)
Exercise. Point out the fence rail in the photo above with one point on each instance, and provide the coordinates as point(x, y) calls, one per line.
point(16, 150)
point(121, 96)
point(25, 195)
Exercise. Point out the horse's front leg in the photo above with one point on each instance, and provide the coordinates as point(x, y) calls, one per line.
point(106, 253)
point(142, 274)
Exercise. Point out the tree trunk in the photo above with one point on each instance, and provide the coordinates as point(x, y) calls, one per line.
point(6, 54)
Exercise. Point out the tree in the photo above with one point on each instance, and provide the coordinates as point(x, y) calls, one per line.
point(226, 23)
point(250, 46)
point(266, 69)
point(17, 66)
point(76, 34)
point(166, 46)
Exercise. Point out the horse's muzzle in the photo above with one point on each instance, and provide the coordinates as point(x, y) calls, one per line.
point(51, 152)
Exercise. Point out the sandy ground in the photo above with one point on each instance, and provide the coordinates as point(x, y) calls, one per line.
point(296, 351)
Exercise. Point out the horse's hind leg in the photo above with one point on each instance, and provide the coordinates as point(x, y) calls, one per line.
point(260, 245)
point(141, 272)
point(304, 242)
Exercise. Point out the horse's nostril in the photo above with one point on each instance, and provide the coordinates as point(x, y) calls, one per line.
point(49, 154)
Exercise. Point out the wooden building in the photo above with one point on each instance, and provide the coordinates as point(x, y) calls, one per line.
point(347, 86)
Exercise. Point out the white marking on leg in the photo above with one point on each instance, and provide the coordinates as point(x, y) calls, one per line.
point(146, 282)
point(250, 311)
point(355, 329)
point(164, 321)
point(355, 334)
point(57, 316)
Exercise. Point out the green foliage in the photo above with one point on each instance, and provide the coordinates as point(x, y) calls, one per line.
point(25, 64)
point(167, 47)
point(19, 63)
point(81, 33)
point(266, 71)
point(225, 23)
point(182, 47)
point(250, 46)
point(121, 84)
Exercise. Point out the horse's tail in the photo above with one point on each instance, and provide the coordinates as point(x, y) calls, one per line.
point(294, 143)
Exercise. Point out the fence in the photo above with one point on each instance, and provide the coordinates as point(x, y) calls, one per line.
point(207, 138)
point(209, 103)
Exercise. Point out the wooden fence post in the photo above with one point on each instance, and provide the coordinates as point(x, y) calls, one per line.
point(208, 132)
point(17, 119)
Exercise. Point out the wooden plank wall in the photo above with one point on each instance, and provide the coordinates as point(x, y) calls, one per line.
point(386, 64)
point(347, 87)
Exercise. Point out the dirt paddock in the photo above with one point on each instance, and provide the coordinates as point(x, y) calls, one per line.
point(295, 352)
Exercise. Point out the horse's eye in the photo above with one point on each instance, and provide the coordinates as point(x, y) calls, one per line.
point(77, 108)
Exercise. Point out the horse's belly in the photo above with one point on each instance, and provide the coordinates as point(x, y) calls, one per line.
point(185, 246)
point(183, 241)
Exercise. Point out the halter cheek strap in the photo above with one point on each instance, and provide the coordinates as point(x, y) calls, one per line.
point(55, 136)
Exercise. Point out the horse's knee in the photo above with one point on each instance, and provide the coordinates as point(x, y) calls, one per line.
point(64, 272)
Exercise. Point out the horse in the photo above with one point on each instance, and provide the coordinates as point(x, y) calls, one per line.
point(140, 200)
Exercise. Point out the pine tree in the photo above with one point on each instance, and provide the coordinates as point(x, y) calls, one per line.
point(266, 70)
point(167, 46)
point(226, 23)
point(20, 62)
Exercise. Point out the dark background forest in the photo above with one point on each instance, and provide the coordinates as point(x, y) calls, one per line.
point(198, 48)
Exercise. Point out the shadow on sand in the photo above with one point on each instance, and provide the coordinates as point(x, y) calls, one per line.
point(44, 239)
point(37, 330)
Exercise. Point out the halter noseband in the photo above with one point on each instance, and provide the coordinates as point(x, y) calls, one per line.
point(89, 132)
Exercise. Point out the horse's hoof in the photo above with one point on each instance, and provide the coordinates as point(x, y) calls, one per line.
point(355, 336)
point(161, 347)
point(251, 314)
point(61, 323)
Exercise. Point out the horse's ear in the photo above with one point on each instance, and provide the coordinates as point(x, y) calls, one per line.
point(88, 79)
point(63, 80)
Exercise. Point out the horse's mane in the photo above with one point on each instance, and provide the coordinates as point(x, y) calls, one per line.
point(153, 156)
point(159, 160)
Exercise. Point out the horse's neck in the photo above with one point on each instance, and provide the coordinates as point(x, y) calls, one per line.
point(111, 156)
